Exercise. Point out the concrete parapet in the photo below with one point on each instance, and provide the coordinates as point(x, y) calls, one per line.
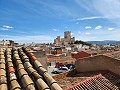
point(99, 62)
point(66, 74)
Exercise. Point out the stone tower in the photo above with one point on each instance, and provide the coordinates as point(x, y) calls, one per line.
point(67, 35)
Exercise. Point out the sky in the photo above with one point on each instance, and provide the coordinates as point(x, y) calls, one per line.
point(42, 21)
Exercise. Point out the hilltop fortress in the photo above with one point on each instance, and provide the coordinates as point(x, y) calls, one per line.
point(66, 40)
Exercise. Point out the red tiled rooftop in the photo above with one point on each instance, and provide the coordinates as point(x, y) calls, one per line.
point(72, 80)
point(97, 82)
point(20, 70)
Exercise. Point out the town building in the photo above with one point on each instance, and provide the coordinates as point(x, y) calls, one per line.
point(56, 50)
point(66, 40)
point(80, 54)
point(99, 72)
point(7, 43)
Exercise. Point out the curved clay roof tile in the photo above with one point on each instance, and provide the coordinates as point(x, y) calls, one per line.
point(10, 69)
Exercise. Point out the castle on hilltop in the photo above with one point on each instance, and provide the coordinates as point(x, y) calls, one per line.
point(66, 40)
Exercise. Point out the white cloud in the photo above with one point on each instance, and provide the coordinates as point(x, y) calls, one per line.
point(111, 28)
point(109, 9)
point(88, 27)
point(4, 29)
point(24, 39)
point(95, 35)
point(55, 29)
point(89, 18)
point(98, 27)
point(8, 27)
point(79, 32)
point(87, 33)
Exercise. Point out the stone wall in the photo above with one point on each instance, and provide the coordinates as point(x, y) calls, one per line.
point(99, 62)
point(66, 74)
point(41, 57)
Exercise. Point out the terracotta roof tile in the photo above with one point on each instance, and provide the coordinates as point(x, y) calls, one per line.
point(97, 82)
point(20, 69)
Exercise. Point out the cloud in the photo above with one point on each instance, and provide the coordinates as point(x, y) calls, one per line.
point(111, 9)
point(28, 39)
point(8, 27)
point(88, 27)
point(96, 35)
point(55, 29)
point(111, 28)
point(89, 18)
point(5, 27)
point(79, 32)
point(108, 9)
point(87, 33)
point(98, 27)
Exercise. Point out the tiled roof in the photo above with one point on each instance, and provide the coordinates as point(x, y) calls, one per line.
point(97, 82)
point(20, 70)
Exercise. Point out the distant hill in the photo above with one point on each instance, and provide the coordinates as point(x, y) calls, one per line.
point(104, 42)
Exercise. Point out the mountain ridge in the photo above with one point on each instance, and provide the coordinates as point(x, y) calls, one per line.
point(104, 42)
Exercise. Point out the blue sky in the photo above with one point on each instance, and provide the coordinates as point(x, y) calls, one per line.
point(44, 20)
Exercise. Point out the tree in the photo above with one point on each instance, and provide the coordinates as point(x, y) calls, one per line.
point(82, 42)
